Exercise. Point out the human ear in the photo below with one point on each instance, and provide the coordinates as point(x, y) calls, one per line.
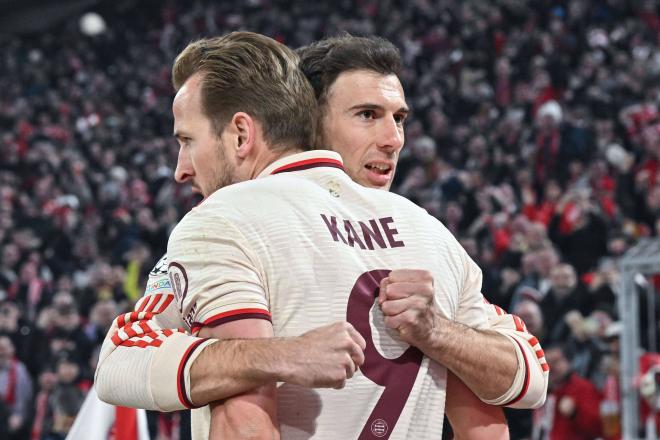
point(244, 131)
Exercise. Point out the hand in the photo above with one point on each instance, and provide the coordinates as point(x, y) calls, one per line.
point(327, 356)
point(407, 299)
point(567, 406)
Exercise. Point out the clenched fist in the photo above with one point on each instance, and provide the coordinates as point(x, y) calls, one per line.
point(408, 304)
point(326, 357)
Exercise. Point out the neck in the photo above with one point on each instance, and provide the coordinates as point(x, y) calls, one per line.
point(268, 157)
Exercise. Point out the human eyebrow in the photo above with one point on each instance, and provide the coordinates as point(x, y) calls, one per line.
point(366, 106)
point(405, 111)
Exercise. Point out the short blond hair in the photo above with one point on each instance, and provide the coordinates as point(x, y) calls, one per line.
point(252, 73)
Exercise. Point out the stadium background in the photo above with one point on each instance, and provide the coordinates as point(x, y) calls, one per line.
point(534, 136)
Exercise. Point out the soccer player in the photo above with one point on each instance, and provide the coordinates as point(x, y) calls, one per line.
point(212, 383)
point(362, 110)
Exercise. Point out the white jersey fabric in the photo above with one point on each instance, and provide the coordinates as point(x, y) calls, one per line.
point(303, 246)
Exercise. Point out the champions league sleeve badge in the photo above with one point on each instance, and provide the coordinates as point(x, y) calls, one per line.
point(160, 268)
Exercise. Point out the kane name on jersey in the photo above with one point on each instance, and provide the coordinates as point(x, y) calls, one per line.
point(370, 234)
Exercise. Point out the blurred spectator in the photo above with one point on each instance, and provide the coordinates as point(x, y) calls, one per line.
point(100, 320)
point(64, 400)
point(530, 312)
point(571, 411)
point(15, 391)
point(565, 295)
point(43, 417)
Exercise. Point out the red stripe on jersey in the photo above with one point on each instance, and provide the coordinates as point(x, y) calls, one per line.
point(154, 301)
point(132, 317)
point(167, 302)
point(181, 383)
point(519, 325)
point(144, 326)
point(143, 304)
point(533, 341)
point(116, 339)
point(146, 307)
point(130, 331)
point(142, 343)
point(121, 320)
point(540, 353)
point(309, 163)
point(499, 310)
point(232, 315)
point(545, 367)
point(527, 378)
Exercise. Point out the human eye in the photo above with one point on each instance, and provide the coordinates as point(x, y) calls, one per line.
point(367, 114)
point(184, 141)
point(400, 118)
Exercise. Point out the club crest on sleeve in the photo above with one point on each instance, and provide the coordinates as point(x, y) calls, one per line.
point(179, 282)
point(160, 268)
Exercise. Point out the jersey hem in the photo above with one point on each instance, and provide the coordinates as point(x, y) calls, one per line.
point(234, 315)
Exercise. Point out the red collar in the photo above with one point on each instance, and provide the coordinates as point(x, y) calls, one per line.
point(304, 161)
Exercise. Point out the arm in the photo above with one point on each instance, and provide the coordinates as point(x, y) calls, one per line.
point(321, 358)
point(529, 352)
point(517, 372)
point(132, 364)
point(408, 303)
point(252, 414)
point(145, 359)
point(471, 418)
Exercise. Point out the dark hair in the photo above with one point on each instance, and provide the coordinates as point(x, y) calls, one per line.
point(323, 61)
point(244, 71)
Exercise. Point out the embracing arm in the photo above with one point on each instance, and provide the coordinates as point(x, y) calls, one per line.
point(502, 363)
point(148, 361)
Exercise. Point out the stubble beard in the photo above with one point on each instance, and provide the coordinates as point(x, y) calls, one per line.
point(224, 172)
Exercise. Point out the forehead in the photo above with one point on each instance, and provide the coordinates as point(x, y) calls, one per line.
point(188, 98)
point(357, 87)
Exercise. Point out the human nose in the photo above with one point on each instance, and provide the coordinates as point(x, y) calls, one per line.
point(184, 170)
point(391, 135)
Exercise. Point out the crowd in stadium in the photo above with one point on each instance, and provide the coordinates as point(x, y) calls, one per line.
point(534, 137)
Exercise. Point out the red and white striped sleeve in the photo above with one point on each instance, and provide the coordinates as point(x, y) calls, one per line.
point(530, 385)
point(146, 356)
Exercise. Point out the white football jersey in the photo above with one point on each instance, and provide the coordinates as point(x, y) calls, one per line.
point(303, 246)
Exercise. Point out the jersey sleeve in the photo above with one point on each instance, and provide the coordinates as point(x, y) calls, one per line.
point(471, 307)
point(215, 276)
point(530, 385)
point(146, 356)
